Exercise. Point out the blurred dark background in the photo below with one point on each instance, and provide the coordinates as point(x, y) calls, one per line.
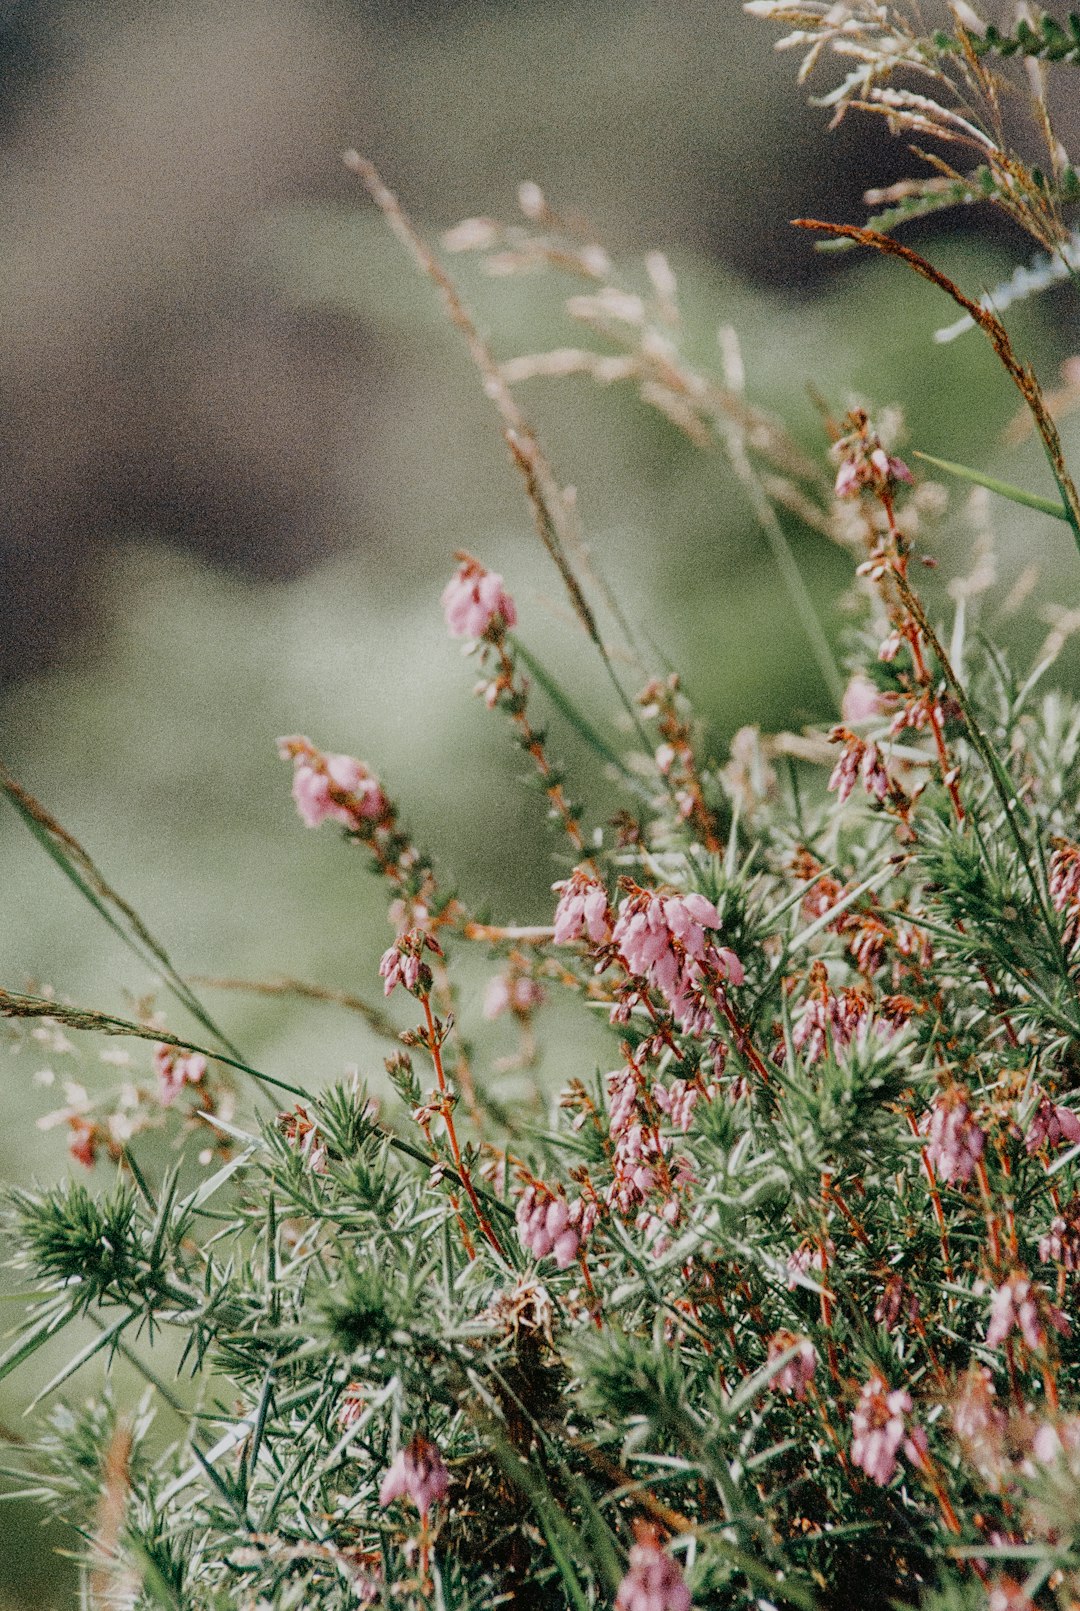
point(238, 447)
point(155, 380)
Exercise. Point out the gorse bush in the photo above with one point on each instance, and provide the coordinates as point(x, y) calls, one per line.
point(777, 1307)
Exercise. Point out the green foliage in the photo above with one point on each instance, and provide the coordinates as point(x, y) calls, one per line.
point(770, 1309)
point(1044, 39)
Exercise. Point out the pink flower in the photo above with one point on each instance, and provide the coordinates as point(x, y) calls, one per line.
point(654, 1581)
point(402, 963)
point(878, 1429)
point(793, 1378)
point(678, 1103)
point(810, 1259)
point(632, 1167)
point(304, 1135)
point(350, 1405)
point(475, 603)
point(331, 788)
point(85, 1138)
point(897, 1302)
point(979, 1422)
point(622, 1092)
point(1061, 1244)
point(548, 1226)
point(834, 1022)
point(1064, 876)
point(176, 1068)
point(1019, 1305)
point(662, 939)
point(956, 1142)
point(863, 462)
point(1053, 1125)
point(582, 910)
point(417, 1474)
point(862, 700)
point(858, 759)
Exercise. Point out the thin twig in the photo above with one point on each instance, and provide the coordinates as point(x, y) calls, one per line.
point(545, 494)
point(309, 992)
point(1022, 375)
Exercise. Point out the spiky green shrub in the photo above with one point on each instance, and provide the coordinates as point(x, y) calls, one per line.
point(775, 1306)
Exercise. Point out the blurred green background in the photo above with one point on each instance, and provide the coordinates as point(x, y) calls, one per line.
point(240, 447)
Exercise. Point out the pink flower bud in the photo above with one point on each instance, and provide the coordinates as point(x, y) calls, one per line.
point(1053, 1125)
point(582, 910)
point(654, 1581)
point(331, 788)
point(475, 603)
point(418, 1474)
point(956, 1142)
point(176, 1068)
point(878, 1429)
point(793, 1378)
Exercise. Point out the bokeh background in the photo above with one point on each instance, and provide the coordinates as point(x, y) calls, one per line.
point(238, 447)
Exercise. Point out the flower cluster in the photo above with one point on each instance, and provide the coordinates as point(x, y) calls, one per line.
point(176, 1068)
point(475, 602)
point(331, 788)
point(879, 1428)
point(662, 939)
point(955, 1141)
point(803, 1213)
point(548, 1226)
point(653, 1581)
point(418, 1474)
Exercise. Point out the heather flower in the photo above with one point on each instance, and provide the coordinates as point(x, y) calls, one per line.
point(546, 1226)
point(1064, 887)
point(176, 1068)
point(475, 603)
point(1061, 1244)
point(417, 1474)
point(869, 942)
point(858, 759)
point(632, 1167)
point(622, 1093)
point(656, 1228)
point(304, 1135)
point(896, 1302)
point(955, 1142)
point(809, 1258)
point(350, 1405)
point(582, 910)
point(1016, 1306)
point(979, 1423)
point(794, 1377)
point(331, 788)
point(863, 462)
point(1051, 1124)
point(878, 1429)
point(677, 1102)
point(85, 1140)
point(402, 963)
point(662, 938)
point(654, 1581)
point(832, 1021)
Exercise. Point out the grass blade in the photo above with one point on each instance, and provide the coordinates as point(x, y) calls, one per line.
point(1004, 489)
point(79, 868)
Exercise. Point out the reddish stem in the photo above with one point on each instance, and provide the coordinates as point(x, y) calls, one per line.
point(935, 1198)
point(448, 1116)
